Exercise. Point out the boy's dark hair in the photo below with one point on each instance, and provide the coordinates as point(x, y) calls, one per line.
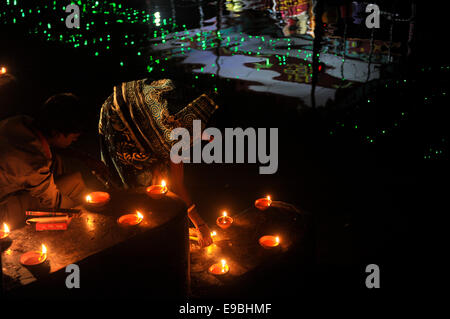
point(62, 113)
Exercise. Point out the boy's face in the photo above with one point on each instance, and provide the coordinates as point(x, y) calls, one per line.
point(60, 140)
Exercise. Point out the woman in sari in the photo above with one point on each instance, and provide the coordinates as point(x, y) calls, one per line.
point(135, 126)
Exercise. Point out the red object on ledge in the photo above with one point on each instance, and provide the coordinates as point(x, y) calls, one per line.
point(51, 226)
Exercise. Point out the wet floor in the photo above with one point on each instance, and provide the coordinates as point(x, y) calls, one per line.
point(267, 46)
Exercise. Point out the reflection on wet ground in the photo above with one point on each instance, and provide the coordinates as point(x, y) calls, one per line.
point(271, 46)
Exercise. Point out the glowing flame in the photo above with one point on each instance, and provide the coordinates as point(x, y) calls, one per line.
point(268, 197)
point(277, 239)
point(210, 249)
point(5, 228)
point(224, 214)
point(90, 223)
point(43, 250)
point(3, 70)
point(88, 198)
point(139, 215)
point(163, 183)
point(213, 233)
point(224, 264)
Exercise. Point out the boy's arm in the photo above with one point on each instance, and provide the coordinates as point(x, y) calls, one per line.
point(41, 185)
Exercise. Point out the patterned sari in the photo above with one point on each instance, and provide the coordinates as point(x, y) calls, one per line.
point(135, 126)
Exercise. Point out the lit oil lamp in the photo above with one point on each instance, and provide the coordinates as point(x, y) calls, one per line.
point(33, 258)
point(4, 232)
point(263, 203)
point(213, 234)
point(224, 221)
point(131, 219)
point(157, 191)
point(97, 199)
point(219, 268)
point(3, 70)
point(269, 241)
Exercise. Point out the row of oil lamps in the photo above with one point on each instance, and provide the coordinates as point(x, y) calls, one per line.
point(226, 221)
point(100, 199)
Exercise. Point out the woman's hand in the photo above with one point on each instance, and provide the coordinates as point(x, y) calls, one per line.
point(204, 235)
point(99, 168)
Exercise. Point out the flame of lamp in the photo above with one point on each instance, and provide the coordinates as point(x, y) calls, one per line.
point(4, 232)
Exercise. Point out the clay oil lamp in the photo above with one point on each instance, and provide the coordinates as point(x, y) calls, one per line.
point(130, 219)
point(224, 221)
point(263, 203)
point(269, 242)
point(33, 258)
point(97, 199)
point(219, 268)
point(157, 191)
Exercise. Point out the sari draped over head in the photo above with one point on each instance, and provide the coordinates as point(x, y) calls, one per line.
point(135, 126)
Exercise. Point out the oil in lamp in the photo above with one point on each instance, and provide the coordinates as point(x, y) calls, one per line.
point(4, 232)
point(263, 203)
point(269, 241)
point(157, 191)
point(131, 219)
point(33, 258)
point(224, 221)
point(219, 268)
